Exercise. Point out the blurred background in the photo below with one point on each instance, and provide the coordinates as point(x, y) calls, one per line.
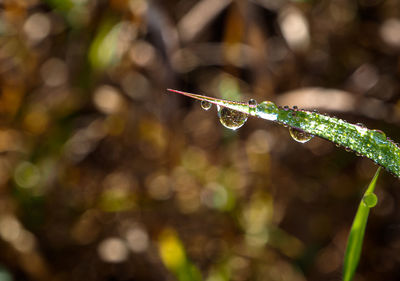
point(106, 176)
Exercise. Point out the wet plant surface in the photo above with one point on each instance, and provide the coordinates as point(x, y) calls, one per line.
point(105, 176)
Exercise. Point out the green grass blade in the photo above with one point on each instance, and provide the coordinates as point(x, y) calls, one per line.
point(355, 240)
point(354, 137)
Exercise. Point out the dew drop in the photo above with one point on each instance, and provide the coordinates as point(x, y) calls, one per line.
point(252, 103)
point(286, 108)
point(370, 200)
point(360, 125)
point(299, 135)
point(230, 118)
point(379, 133)
point(295, 107)
point(205, 105)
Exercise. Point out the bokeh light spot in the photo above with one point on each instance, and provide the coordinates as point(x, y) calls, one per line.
point(37, 27)
point(113, 250)
point(108, 99)
point(137, 239)
point(27, 175)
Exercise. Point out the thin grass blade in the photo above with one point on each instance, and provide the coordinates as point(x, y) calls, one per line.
point(356, 236)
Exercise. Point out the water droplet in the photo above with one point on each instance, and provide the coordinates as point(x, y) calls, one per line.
point(267, 110)
point(286, 108)
point(230, 118)
point(252, 103)
point(379, 133)
point(347, 149)
point(370, 200)
point(299, 135)
point(205, 105)
point(361, 125)
point(295, 107)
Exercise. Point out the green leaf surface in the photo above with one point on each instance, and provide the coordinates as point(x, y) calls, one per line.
point(355, 240)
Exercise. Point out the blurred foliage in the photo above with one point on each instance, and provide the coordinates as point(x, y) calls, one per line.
point(103, 176)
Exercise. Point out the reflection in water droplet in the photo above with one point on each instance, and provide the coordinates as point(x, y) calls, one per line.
point(230, 118)
point(205, 105)
point(361, 125)
point(370, 200)
point(299, 135)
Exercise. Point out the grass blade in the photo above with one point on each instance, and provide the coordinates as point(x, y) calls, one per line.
point(356, 236)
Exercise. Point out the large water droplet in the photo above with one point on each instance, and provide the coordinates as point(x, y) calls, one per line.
point(230, 118)
point(205, 105)
point(370, 200)
point(299, 135)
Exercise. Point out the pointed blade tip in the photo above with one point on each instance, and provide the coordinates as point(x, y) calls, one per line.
point(174, 91)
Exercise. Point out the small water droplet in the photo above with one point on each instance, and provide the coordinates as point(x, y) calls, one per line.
point(295, 107)
point(205, 105)
point(286, 108)
point(230, 118)
point(299, 135)
point(315, 110)
point(379, 133)
point(267, 110)
point(370, 200)
point(347, 149)
point(361, 125)
point(252, 103)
